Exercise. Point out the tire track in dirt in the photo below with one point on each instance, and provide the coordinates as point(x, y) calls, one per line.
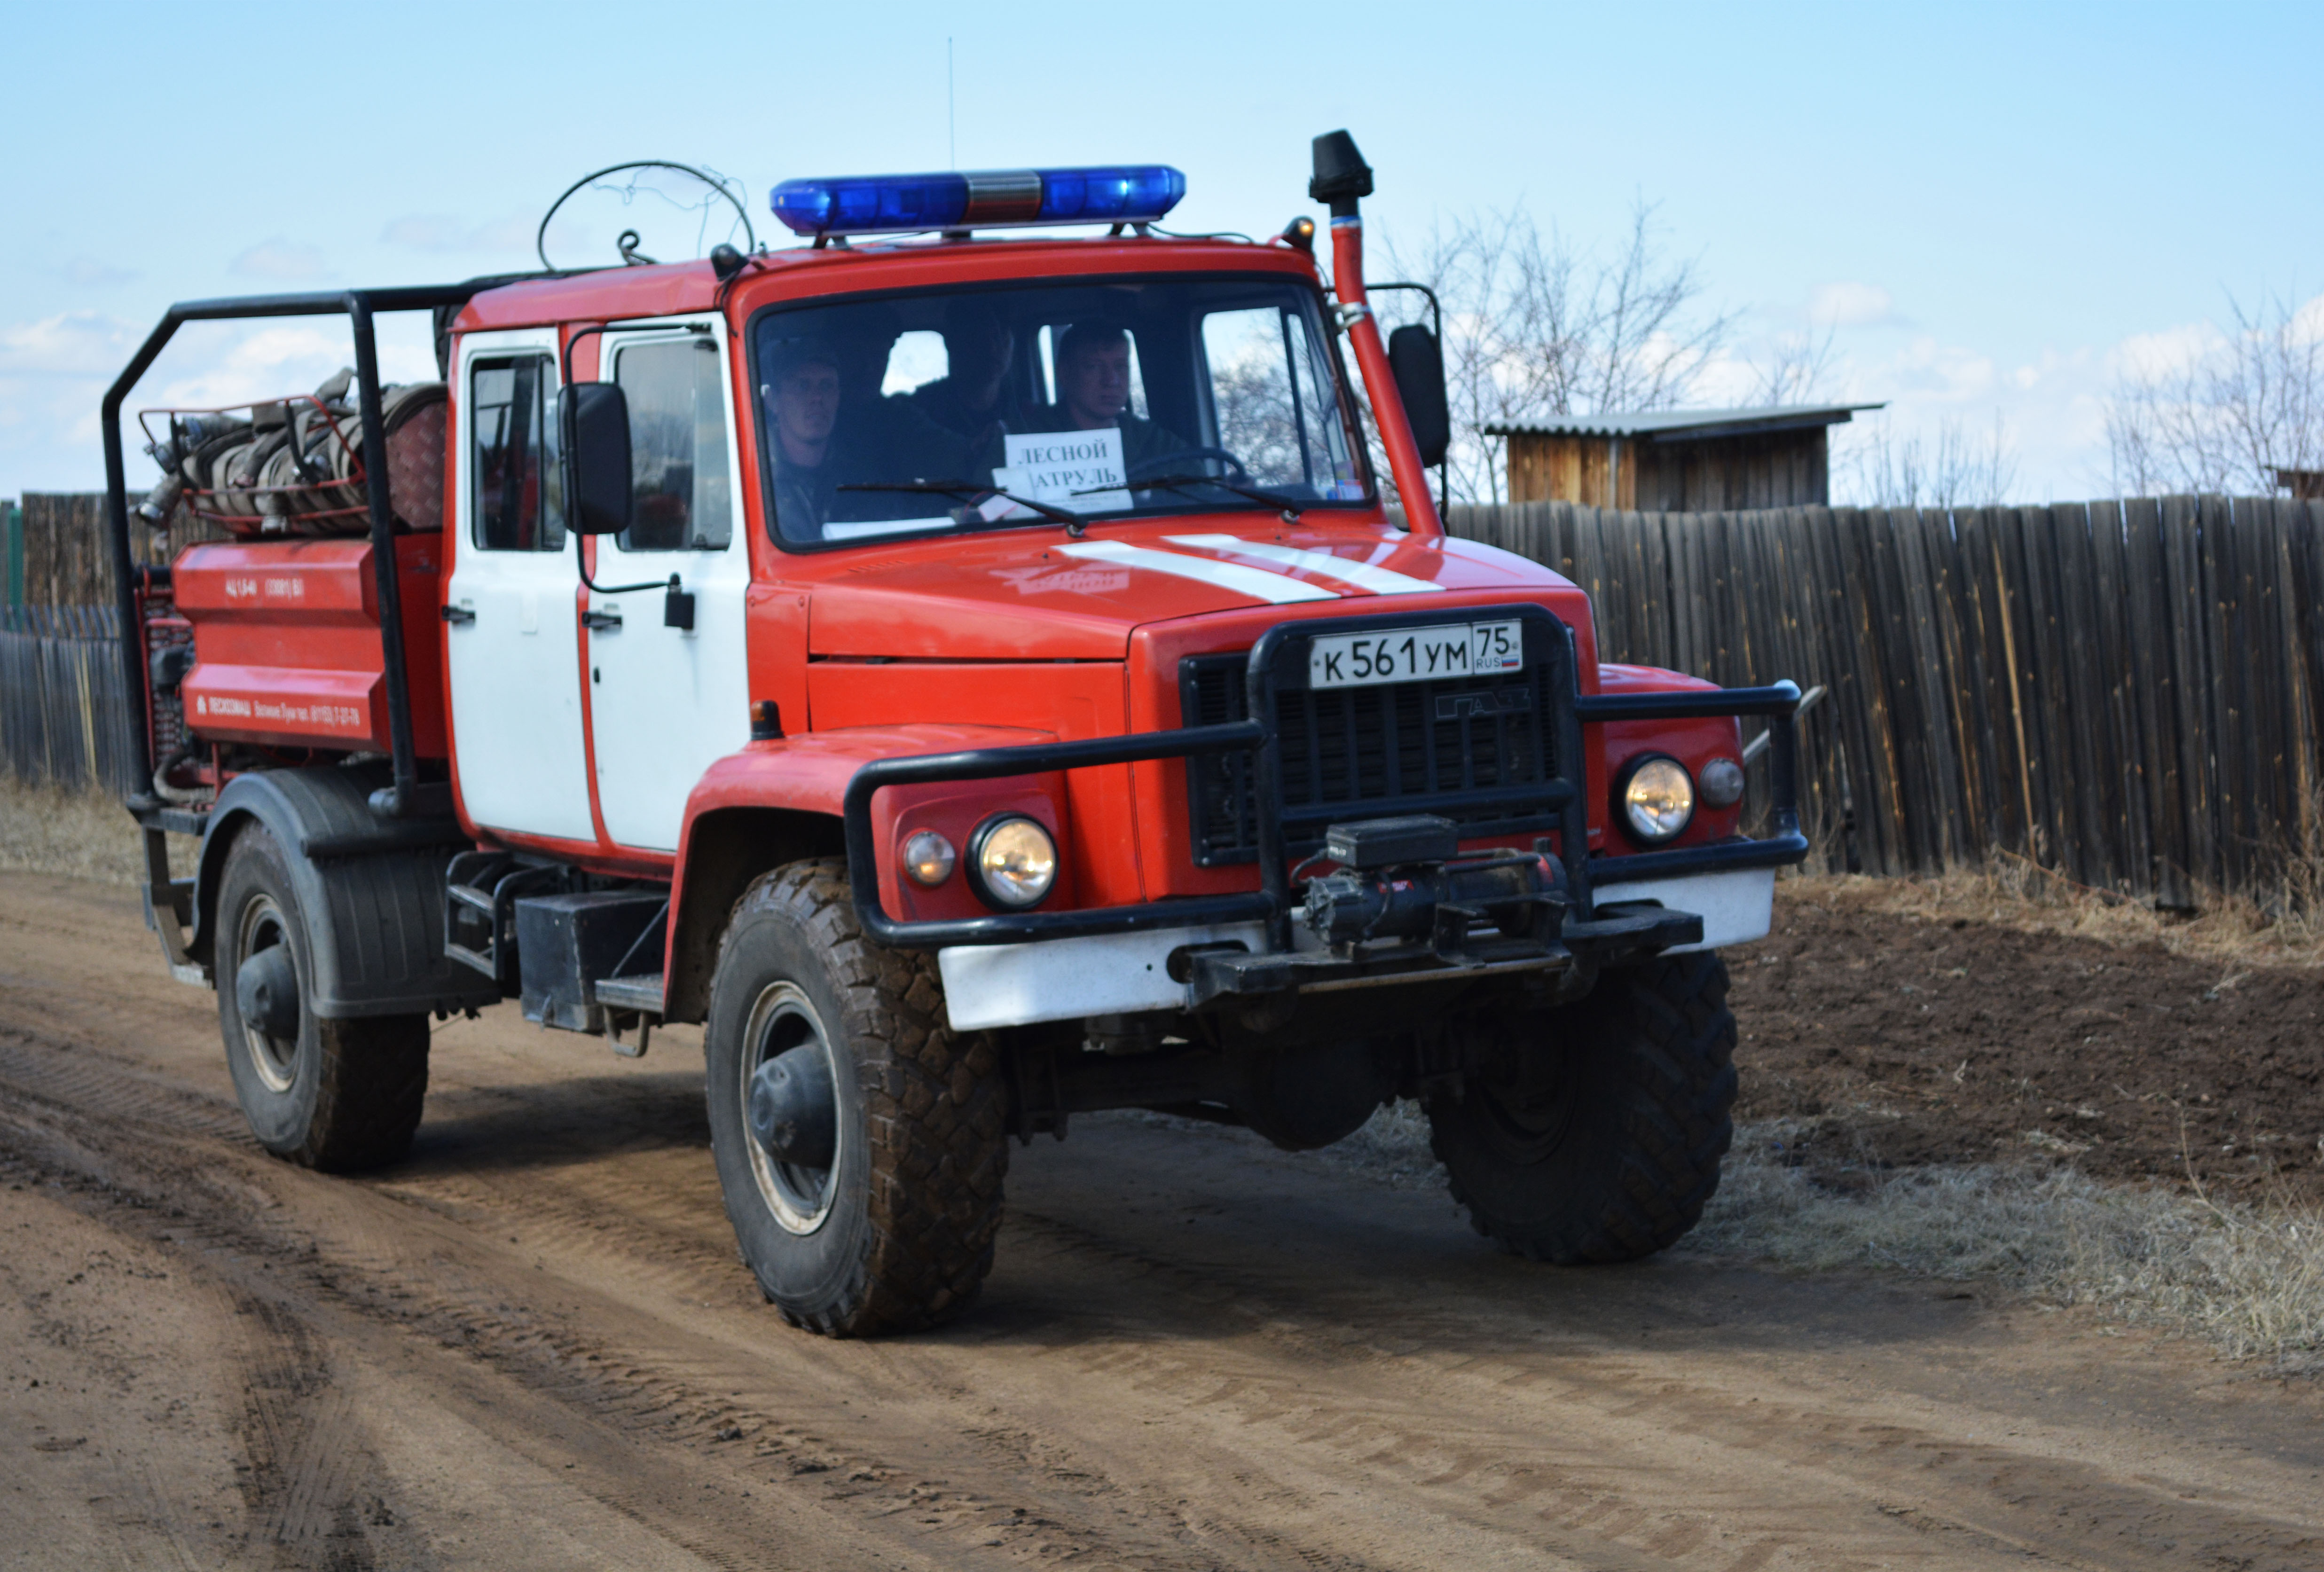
point(1192, 1355)
point(433, 1292)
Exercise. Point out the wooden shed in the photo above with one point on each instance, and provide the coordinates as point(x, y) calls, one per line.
point(1678, 460)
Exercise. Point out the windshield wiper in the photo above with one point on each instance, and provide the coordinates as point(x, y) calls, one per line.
point(974, 492)
point(1182, 483)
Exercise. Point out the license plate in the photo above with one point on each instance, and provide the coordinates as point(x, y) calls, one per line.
point(1416, 654)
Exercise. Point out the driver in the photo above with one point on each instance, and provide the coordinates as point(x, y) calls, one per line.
point(803, 411)
point(1092, 362)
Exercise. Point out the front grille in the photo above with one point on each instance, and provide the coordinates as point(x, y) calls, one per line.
point(1474, 749)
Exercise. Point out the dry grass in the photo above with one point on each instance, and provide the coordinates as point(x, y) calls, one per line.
point(80, 834)
point(2013, 893)
point(2247, 1279)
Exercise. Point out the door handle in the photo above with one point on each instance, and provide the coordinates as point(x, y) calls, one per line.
point(607, 621)
point(458, 614)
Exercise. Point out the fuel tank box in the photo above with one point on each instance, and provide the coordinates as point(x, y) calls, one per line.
point(287, 645)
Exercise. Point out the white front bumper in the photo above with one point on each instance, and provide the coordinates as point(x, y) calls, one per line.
point(1065, 979)
point(1736, 907)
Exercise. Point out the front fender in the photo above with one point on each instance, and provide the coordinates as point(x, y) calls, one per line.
point(777, 801)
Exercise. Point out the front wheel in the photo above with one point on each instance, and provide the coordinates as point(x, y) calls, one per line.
point(861, 1144)
point(338, 1096)
point(1593, 1133)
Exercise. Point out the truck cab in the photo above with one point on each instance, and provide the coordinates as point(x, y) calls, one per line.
point(971, 666)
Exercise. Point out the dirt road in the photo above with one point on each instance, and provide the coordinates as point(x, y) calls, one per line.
point(531, 1345)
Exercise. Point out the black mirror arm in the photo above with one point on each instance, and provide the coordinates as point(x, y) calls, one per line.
point(581, 561)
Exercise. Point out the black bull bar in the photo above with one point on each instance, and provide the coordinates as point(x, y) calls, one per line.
point(1561, 800)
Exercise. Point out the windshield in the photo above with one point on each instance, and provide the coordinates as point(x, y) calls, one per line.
point(968, 409)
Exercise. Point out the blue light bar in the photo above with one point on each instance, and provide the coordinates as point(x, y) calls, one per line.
point(870, 204)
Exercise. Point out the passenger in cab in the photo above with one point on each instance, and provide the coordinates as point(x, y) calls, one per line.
point(973, 395)
point(803, 412)
point(1092, 364)
point(885, 436)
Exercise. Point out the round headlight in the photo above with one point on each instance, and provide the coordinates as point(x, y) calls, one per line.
point(1657, 797)
point(1015, 861)
point(1722, 783)
point(928, 858)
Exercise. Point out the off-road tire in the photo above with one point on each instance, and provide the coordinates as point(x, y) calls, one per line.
point(1618, 1160)
point(344, 1095)
point(915, 1202)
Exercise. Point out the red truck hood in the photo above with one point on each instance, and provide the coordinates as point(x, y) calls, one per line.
point(1028, 595)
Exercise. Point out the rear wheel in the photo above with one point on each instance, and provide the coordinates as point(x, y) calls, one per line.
point(333, 1094)
point(1593, 1133)
point(861, 1144)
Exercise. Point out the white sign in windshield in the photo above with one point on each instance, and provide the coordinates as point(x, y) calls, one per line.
point(1059, 467)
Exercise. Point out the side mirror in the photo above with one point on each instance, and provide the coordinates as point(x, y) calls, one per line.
point(1418, 363)
point(594, 417)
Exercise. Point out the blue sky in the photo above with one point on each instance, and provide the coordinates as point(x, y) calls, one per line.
point(1989, 206)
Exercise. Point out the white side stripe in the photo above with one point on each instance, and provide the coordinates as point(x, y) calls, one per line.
point(1363, 574)
point(1255, 582)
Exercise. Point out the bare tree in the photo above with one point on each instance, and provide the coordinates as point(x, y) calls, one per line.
point(1794, 370)
point(1535, 329)
point(1957, 470)
point(2229, 418)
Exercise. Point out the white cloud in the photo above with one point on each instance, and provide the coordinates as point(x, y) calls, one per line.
point(279, 259)
point(2166, 351)
point(1850, 305)
point(70, 344)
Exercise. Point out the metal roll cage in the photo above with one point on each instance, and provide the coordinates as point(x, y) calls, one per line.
point(404, 797)
point(1562, 800)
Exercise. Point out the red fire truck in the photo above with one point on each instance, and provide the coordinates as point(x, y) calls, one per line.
point(968, 667)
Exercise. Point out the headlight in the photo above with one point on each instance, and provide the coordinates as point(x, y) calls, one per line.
point(1015, 861)
point(928, 858)
point(1655, 798)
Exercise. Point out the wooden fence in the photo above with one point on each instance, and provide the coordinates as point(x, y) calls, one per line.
point(64, 715)
point(2129, 693)
point(66, 560)
point(2125, 692)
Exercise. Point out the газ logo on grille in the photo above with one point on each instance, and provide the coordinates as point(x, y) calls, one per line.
point(1504, 701)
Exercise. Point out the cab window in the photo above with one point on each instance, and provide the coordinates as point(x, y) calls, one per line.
point(517, 504)
point(682, 497)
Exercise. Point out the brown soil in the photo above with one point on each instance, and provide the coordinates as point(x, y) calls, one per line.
point(530, 1344)
point(1888, 1040)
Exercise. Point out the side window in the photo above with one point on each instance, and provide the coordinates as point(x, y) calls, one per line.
point(683, 499)
point(518, 504)
point(1268, 397)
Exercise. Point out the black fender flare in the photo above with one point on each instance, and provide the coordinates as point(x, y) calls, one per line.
point(371, 891)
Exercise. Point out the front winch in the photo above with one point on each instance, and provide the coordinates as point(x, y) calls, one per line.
point(1403, 880)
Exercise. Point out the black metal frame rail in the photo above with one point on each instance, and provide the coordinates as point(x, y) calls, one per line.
point(403, 798)
point(1563, 798)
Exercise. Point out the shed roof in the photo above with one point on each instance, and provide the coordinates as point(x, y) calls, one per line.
point(1681, 425)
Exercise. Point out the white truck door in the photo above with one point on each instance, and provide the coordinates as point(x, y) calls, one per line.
point(665, 702)
point(512, 646)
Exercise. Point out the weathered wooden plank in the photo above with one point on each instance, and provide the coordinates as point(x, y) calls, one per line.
point(1916, 798)
point(2182, 567)
point(2094, 836)
point(2271, 751)
point(2000, 729)
point(1875, 786)
point(2224, 693)
point(2154, 672)
point(2302, 542)
point(2123, 755)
